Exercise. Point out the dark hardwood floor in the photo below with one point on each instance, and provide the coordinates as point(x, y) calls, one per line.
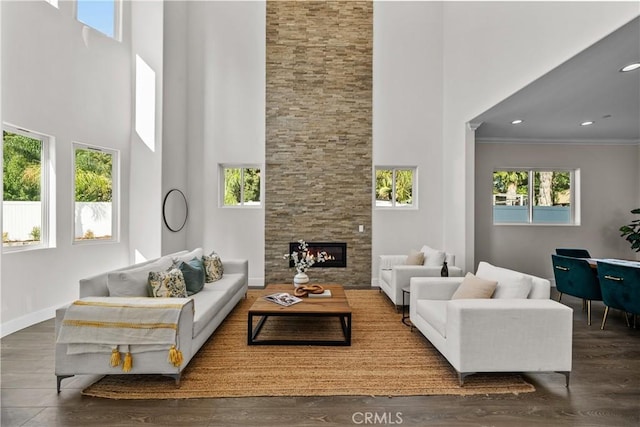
point(604, 391)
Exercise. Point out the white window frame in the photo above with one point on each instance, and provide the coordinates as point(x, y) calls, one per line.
point(47, 235)
point(574, 200)
point(115, 193)
point(117, 19)
point(242, 167)
point(414, 187)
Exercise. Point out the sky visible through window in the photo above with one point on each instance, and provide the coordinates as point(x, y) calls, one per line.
point(98, 14)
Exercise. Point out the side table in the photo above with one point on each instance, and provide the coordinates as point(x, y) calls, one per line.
point(405, 306)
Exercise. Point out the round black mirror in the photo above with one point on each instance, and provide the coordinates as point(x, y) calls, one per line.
point(175, 210)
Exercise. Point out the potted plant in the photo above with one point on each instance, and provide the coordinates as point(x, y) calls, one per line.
point(631, 232)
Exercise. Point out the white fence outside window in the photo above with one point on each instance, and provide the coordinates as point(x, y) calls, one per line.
point(19, 218)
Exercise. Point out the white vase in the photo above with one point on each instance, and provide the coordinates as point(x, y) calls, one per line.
point(300, 279)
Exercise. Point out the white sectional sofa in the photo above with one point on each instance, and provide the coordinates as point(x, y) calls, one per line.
point(198, 319)
point(519, 329)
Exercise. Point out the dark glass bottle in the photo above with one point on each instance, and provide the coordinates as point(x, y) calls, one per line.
point(445, 270)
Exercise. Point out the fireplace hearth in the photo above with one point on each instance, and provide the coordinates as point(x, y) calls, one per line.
point(336, 253)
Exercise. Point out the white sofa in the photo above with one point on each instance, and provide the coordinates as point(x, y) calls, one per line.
point(199, 318)
point(394, 274)
point(505, 333)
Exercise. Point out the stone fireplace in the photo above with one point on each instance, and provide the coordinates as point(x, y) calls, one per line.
point(318, 148)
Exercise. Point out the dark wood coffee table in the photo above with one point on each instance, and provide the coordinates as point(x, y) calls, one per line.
point(335, 306)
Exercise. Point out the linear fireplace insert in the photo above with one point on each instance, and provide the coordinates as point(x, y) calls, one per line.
point(336, 253)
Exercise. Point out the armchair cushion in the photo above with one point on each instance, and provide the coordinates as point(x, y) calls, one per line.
point(511, 284)
point(432, 257)
point(475, 287)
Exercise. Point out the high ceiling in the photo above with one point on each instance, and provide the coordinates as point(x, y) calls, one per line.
point(588, 86)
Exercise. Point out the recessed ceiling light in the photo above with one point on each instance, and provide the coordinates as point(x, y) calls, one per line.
point(587, 123)
point(630, 67)
point(517, 122)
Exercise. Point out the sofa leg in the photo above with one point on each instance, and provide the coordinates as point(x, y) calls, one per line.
point(176, 377)
point(566, 374)
point(59, 379)
point(462, 376)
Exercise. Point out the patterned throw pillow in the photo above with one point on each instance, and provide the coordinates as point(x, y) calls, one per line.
point(212, 267)
point(169, 283)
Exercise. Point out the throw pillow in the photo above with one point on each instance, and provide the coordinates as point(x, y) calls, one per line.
point(433, 257)
point(167, 284)
point(212, 267)
point(196, 253)
point(133, 282)
point(511, 284)
point(193, 273)
point(518, 289)
point(415, 258)
point(474, 287)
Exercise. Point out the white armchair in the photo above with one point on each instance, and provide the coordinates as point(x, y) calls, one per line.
point(518, 329)
point(394, 273)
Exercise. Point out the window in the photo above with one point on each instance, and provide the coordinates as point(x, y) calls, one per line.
point(101, 15)
point(25, 168)
point(539, 196)
point(95, 184)
point(242, 185)
point(395, 187)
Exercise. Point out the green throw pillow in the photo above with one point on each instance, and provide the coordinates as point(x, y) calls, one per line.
point(193, 272)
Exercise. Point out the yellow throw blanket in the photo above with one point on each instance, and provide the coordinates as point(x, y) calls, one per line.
point(130, 325)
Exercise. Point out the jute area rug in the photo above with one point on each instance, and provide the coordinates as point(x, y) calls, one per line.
point(385, 359)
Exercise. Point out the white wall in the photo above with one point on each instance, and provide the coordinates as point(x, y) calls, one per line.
point(407, 121)
point(74, 84)
point(174, 138)
point(609, 178)
point(226, 123)
point(491, 50)
point(145, 211)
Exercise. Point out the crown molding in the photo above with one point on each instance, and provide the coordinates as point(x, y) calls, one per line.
point(558, 141)
point(472, 126)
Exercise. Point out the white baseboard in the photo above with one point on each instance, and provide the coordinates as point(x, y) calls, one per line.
point(256, 282)
point(25, 321)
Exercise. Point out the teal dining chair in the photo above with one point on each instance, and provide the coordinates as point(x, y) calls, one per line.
point(575, 277)
point(576, 253)
point(620, 286)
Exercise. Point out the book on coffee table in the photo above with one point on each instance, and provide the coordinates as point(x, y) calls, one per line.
point(283, 298)
point(325, 294)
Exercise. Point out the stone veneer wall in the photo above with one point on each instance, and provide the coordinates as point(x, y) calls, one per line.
point(318, 175)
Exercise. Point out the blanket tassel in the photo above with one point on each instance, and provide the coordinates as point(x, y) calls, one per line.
point(115, 357)
point(175, 356)
point(128, 362)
